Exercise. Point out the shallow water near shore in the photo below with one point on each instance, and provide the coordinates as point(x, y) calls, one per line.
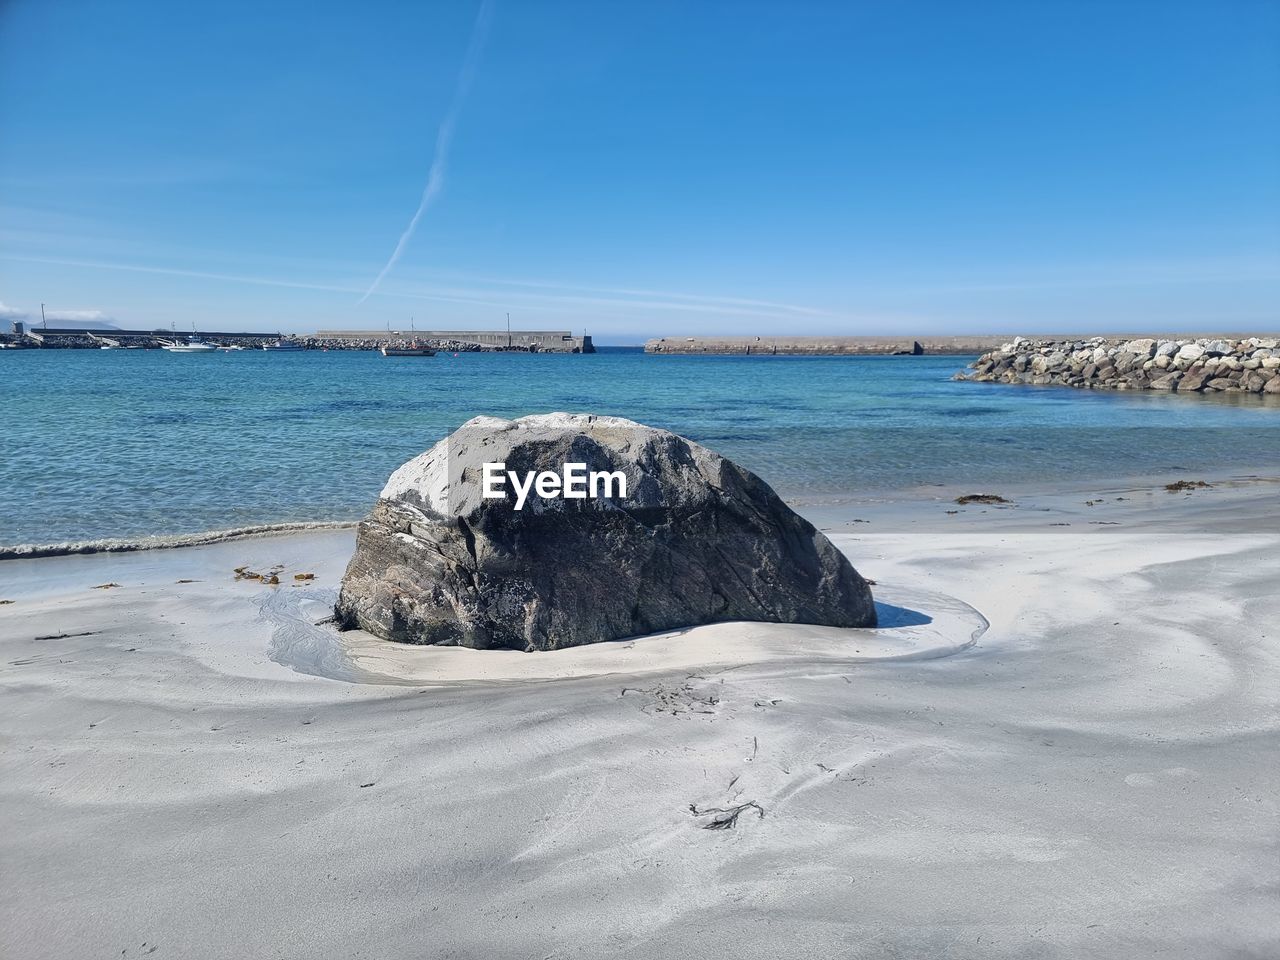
point(139, 443)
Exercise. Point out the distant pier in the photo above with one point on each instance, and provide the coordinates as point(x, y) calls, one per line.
point(529, 341)
point(822, 346)
point(832, 346)
point(24, 335)
point(92, 338)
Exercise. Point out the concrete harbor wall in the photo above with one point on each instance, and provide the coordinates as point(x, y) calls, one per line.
point(799, 346)
point(958, 345)
point(85, 338)
point(539, 341)
point(41, 336)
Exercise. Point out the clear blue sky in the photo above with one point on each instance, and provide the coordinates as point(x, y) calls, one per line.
point(646, 168)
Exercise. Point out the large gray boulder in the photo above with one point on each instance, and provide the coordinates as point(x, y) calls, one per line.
point(697, 539)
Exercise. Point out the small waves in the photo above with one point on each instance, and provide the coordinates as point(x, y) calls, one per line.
point(31, 551)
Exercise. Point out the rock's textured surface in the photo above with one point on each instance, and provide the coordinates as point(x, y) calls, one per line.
point(1185, 366)
point(696, 540)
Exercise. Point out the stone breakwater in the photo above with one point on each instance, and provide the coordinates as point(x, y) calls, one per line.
point(435, 343)
point(1203, 365)
point(371, 343)
point(255, 342)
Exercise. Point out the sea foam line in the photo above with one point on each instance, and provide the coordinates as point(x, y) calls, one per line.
point(32, 551)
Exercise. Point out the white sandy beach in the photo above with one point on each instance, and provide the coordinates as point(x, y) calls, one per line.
point(1063, 741)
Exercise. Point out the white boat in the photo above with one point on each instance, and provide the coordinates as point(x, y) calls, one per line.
point(231, 349)
point(193, 344)
point(282, 346)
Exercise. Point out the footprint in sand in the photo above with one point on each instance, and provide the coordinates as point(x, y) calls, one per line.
point(1148, 780)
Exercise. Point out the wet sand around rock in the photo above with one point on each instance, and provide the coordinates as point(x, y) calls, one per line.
point(1061, 741)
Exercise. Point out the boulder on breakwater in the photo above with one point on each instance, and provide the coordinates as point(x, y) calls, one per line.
point(679, 536)
point(1203, 365)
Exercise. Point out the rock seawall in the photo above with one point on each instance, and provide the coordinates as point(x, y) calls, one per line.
point(1204, 365)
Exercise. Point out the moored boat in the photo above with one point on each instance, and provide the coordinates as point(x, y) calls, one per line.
point(192, 344)
point(399, 348)
point(413, 349)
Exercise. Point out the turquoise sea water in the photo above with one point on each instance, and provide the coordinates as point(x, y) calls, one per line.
point(129, 443)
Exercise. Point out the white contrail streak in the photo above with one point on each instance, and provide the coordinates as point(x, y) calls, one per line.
point(444, 138)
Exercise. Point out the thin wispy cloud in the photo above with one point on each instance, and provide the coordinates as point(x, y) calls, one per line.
point(526, 299)
point(721, 301)
point(11, 313)
point(444, 140)
point(232, 278)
